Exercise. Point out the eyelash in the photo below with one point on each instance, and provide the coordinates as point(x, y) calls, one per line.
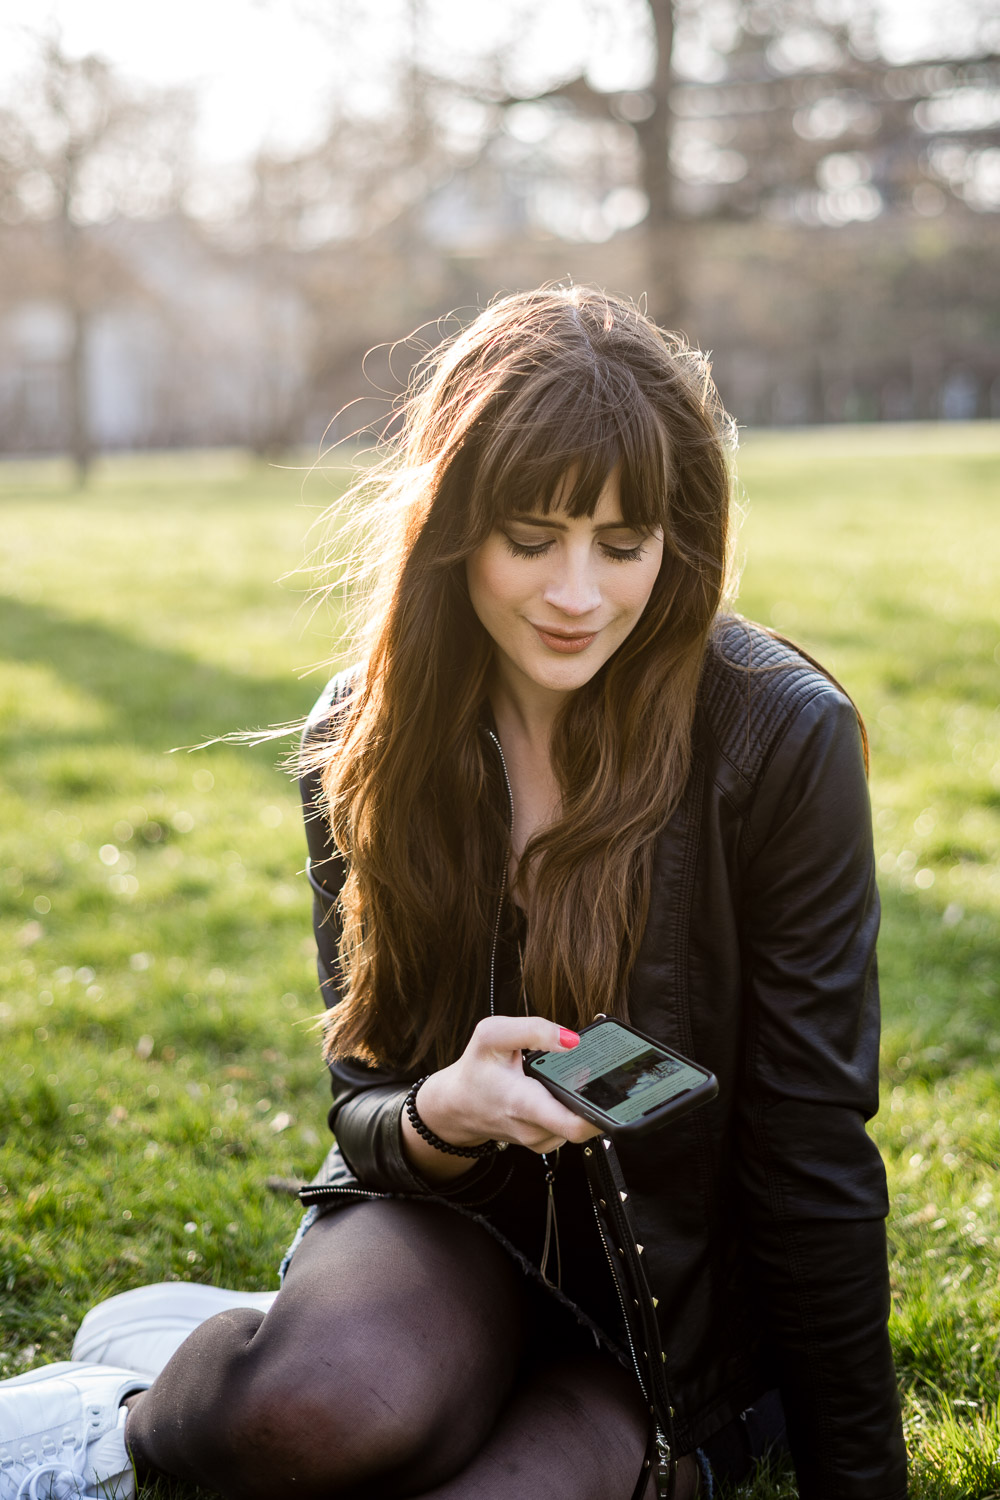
point(613, 554)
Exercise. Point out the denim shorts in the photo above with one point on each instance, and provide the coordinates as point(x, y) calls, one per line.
point(305, 1223)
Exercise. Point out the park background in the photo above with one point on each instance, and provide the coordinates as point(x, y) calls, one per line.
point(216, 242)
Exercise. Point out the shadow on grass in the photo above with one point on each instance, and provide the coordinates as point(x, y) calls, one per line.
point(158, 699)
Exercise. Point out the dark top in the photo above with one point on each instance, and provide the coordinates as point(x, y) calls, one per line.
point(520, 1211)
point(761, 1214)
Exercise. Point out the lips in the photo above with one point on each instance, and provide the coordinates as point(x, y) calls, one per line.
point(563, 642)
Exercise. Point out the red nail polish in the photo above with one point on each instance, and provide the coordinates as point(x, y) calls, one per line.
point(568, 1038)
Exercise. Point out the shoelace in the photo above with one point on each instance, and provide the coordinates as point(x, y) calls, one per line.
point(65, 1478)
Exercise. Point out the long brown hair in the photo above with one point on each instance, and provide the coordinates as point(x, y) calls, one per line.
point(541, 386)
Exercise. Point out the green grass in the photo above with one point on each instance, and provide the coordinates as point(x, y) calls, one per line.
point(156, 981)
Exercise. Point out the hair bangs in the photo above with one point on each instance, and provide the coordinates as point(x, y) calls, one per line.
point(556, 447)
point(645, 475)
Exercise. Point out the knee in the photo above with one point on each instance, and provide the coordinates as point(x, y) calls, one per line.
point(325, 1426)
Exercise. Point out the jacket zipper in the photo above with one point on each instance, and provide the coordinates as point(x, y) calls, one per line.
point(503, 876)
point(335, 1190)
point(551, 1226)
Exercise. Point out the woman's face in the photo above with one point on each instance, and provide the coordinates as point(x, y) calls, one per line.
point(558, 595)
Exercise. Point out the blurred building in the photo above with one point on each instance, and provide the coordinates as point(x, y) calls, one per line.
point(187, 345)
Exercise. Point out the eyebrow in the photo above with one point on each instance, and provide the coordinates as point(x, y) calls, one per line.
point(547, 521)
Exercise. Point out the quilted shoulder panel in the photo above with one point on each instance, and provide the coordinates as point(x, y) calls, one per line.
point(753, 686)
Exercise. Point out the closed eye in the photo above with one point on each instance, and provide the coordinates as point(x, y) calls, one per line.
point(538, 549)
point(519, 549)
point(622, 554)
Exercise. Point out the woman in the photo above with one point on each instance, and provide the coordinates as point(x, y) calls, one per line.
point(566, 782)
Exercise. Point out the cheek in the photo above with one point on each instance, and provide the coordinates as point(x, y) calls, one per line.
point(489, 582)
point(473, 576)
point(637, 589)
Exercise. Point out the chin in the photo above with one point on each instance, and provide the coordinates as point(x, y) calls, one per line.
point(564, 676)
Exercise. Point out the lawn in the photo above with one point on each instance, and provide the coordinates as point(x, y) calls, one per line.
point(156, 979)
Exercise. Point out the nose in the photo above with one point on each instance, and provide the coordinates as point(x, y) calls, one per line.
point(572, 587)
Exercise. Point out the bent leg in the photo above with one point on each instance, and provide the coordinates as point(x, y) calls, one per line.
point(388, 1354)
point(574, 1430)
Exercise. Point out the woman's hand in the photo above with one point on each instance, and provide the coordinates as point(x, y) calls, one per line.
point(486, 1096)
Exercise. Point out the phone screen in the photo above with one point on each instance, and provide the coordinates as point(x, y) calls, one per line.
point(618, 1072)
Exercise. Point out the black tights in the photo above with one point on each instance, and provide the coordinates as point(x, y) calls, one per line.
point(402, 1357)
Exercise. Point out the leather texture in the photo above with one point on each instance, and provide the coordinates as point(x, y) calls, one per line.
point(761, 1215)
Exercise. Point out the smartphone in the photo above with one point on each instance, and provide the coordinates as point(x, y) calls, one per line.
point(621, 1080)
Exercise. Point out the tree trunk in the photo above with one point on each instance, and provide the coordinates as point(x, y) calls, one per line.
point(81, 448)
point(77, 375)
point(664, 252)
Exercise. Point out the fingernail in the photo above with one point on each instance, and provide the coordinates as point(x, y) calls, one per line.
point(568, 1038)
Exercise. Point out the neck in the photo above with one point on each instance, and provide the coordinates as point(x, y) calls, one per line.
point(525, 711)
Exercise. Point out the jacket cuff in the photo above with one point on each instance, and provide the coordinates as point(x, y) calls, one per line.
point(369, 1131)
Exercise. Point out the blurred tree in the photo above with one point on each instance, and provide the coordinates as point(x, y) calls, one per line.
point(786, 110)
point(789, 110)
point(470, 151)
point(78, 147)
point(736, 158)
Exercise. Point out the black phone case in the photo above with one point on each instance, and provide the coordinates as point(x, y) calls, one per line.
point(673, 1109)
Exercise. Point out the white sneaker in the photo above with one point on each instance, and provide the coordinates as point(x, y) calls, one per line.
point(141, 1329)
point(62, 1433)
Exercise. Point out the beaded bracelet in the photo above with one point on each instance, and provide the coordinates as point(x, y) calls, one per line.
point(425, 1132)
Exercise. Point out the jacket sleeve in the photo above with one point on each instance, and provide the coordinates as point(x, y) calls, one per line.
point(367, 1102)
point(367, 1108)
point(812, 1180)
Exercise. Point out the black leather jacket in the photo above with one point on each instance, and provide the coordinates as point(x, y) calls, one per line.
point(761, 1215)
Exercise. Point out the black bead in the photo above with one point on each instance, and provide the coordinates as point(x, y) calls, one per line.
point(425, 1132)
